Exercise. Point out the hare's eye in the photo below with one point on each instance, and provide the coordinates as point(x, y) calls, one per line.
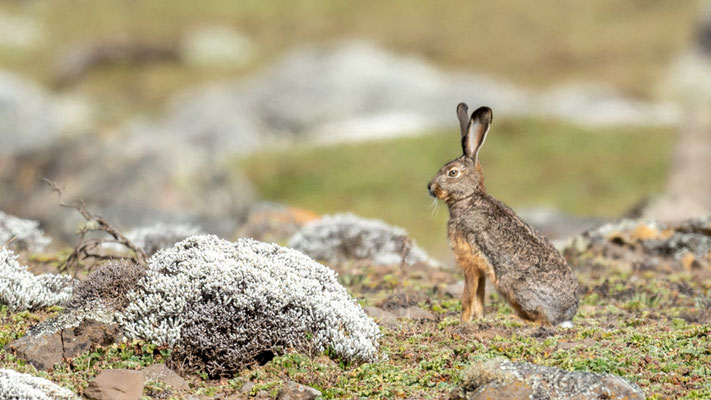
point(453, 173)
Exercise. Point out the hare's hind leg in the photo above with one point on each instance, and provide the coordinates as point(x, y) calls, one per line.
point(473, 296)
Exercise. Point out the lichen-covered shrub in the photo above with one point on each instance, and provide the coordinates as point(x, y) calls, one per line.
point(224, 303)
point(109, 283)
point(19, 386)
point(22, 234)
point(22, 290)
point(346, 237)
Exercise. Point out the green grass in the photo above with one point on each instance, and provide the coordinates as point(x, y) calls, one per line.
point(527, 163)
point(664, 345)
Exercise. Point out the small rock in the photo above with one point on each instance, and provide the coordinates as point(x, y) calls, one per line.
point(116, 384)
point(497, 379)
point(414, 312)
point(90, 332)
point(296, 391)
point(246, 387)
point(381, 316)
point(262, 394)
point(41, 351)
point(454, 290)
point(161, 373)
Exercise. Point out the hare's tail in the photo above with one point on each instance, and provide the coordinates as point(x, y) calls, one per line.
point(565, 324)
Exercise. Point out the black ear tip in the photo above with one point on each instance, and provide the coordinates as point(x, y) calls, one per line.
point(484, 114)
point(462, 107)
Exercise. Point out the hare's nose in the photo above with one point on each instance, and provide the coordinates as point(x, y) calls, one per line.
point(429, 187)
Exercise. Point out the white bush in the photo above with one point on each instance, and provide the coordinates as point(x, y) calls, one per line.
point(248, 279)
point(22, 234)
point(18, 386)
point(343, 237)
point(23, 290)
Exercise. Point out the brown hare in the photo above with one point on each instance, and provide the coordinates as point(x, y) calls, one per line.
point(490, 241)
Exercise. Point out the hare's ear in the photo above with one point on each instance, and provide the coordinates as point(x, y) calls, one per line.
point(463, 115)
point(478, 126)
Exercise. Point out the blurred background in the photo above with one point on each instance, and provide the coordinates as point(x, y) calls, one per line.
point(212, 112)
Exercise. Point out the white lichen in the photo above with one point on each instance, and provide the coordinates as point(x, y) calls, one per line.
point(346, 237)
point(22, 234)
point(249, 279)
point(23, 290)
point(19, 386)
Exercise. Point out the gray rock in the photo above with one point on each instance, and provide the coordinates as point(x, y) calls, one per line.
point(647, 245)
point(296, 391)
point(161, 373)
point(25, 116)
point(381, 316)
point(116, 384)
point(305, 95)
point(43, 351)
point(414, 312)
point(345, 238)
point(499, 380)
point(454, 290)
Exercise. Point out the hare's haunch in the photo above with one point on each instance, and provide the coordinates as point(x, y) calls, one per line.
point(490, 241)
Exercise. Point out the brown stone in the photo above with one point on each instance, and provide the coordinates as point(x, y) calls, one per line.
point(42, 351)
point(381, 316)
point(414, 312)
point(161, 373)
point(79, 339)
point(296, 391)
point(116, 384)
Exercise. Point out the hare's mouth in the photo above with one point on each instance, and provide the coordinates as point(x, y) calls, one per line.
point(439, 193)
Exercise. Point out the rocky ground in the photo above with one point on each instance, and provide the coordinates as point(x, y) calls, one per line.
point(643, 317)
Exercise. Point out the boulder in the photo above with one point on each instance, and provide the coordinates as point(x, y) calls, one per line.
point(161, 373)
point(646, 245)
point(345, 237)
point(43, 351)
point(46, 349)
point(116, 384)
point(296, 391)
point(500, 380)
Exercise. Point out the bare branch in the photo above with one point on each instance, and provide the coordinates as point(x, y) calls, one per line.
point(91, 248)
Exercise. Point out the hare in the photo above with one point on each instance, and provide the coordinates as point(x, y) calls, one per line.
point(490, 241)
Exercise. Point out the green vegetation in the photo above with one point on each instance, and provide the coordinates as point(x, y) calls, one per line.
point(527, 162)
point(651, 328)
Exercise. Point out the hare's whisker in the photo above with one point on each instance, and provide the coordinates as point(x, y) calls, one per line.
point(434, 206)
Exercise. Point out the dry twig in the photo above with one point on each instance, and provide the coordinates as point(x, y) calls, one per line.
point(90, 248)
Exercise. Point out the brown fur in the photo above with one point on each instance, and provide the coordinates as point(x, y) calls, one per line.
point(489, 240)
